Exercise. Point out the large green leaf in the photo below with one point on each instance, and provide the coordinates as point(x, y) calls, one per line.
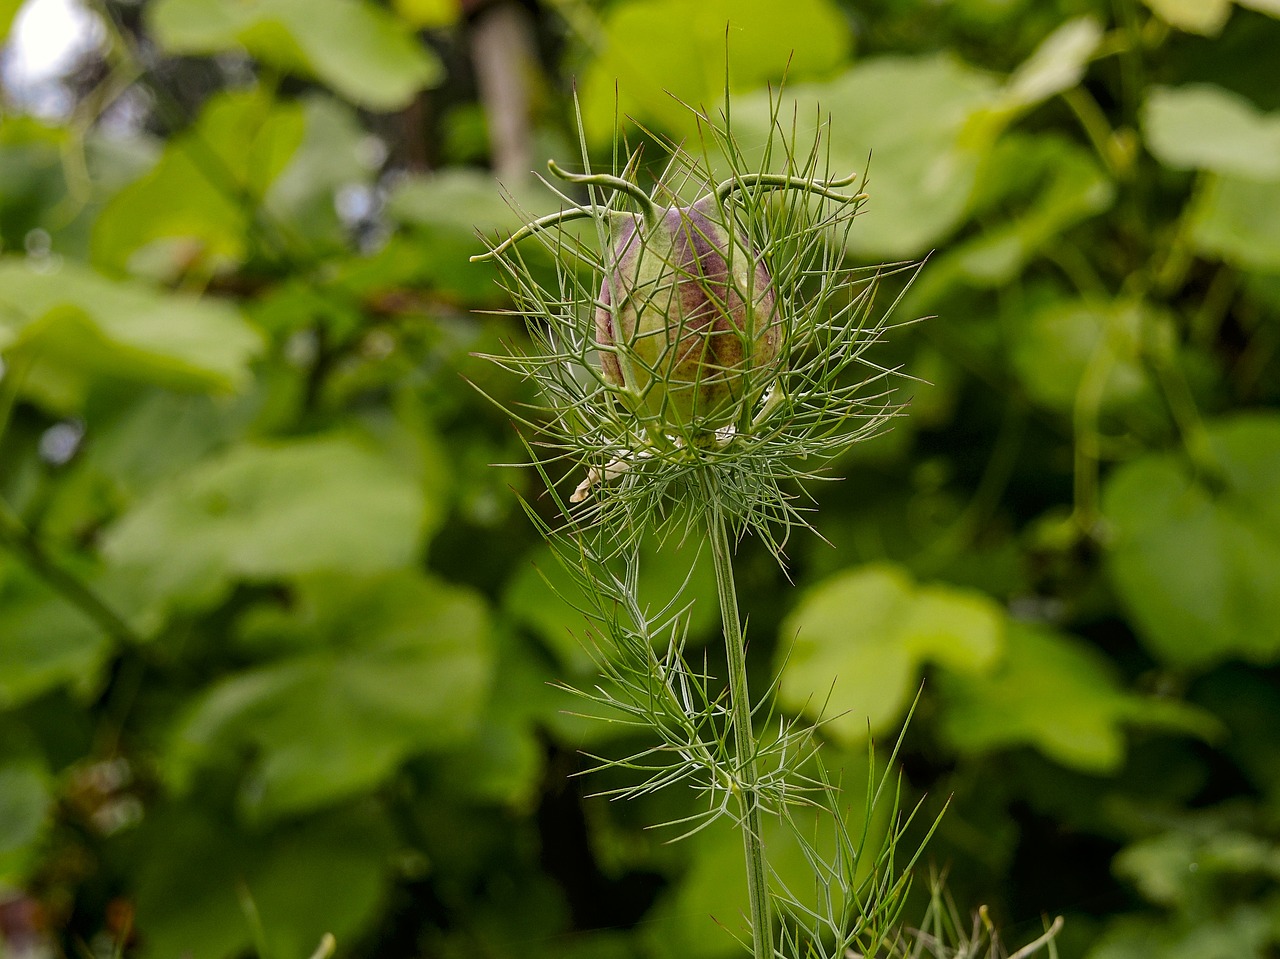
point(199, 876)
point(268, 511)
point(1056, 694)
point(657, 53)
point(67, 326)
point(926, 124)
point(357, 48)
point(916, 120)
point(369, 672)
point(1194, 558)
point(1205, 127)
point(854, 647)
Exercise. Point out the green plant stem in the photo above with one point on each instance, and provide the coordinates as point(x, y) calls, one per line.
point(744, 739)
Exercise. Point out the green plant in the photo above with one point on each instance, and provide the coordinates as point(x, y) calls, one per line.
point(699, 353)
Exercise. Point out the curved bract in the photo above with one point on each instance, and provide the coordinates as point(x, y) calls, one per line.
point(687, 323)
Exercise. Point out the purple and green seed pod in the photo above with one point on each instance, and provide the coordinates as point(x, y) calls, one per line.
point(687, 321)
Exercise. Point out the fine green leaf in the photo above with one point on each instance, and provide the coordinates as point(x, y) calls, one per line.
point(1194, 559)
point(1205, 127)
point(543, 596)
point(67, 326)
point(864, 636)
point(1055, 693)
point(357, 48)
point(657, 54)
point(267, 511)
point(198, 873)
point(375, 671)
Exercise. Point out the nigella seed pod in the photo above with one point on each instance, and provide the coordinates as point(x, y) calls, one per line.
point(687, 322)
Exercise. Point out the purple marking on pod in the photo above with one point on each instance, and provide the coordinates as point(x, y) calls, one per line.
point(692, 341)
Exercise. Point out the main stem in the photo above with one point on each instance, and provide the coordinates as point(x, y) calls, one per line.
point(744, 739)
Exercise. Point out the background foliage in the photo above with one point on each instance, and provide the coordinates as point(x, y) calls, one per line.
point(274, 649)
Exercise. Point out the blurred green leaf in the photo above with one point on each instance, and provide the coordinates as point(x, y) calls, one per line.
point(64, 326)
point(1057, 65)
point(377, 670)
point(428, 13)
point(198, 873)
point(660, 54)
point(8, 10)
point(25, 803)
point(195, 209)
point(923, 124)
point(1183, 867)
point(330, 158)
point(1194, 558)
point(1205, 127)
point(44, 640)
point(1243, 933)
point(1054, 693)
point(1205, 17)
point(1238, 220)
point(862, 637)
point(357, 48)
point(1070, 345)
point(1070, 187)
point(267, 511)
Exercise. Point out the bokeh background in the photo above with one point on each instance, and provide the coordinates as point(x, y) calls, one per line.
point(275, 656)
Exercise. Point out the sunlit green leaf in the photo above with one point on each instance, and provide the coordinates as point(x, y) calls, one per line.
point(1208, 128)
point(854, 646)
point(1195, 16)
point(360, 50)
point(1194, 558)
point(921, 125)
